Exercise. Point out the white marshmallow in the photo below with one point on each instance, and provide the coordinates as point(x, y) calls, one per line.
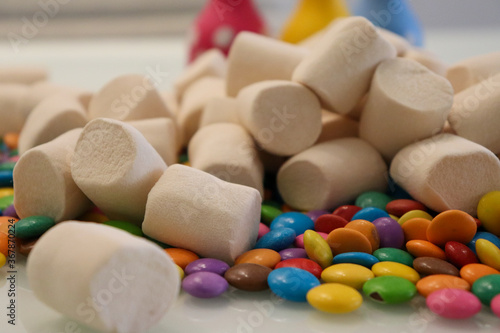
point(427, 59)
point(22, 74)
point(220, 110)
point(116, 168)
point(471, 71)
point(192, 209)
point(447, 172)
point(103, 277)
point(12, 111)
point(400, 43)
point(335, 126)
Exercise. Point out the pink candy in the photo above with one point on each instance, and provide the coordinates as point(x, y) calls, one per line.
point(495, 305)
point(299, 240)
point(454, 303)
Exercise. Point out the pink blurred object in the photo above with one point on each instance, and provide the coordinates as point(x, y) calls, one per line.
point(220, 21)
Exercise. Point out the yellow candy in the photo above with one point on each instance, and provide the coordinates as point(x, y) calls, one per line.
point(181, 271)
point(5, 191)
point(488, 253)
point(94, 217)
point(395, 269)
point(334, 298)
point(3, 260)
point(352, 275)
point(317, 248)
point(488, 212)
point(414, 213)
point(394, 217)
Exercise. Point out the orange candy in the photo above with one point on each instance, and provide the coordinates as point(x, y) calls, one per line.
point(422, 248)
point(11, 140)
point(416, 228)
point(451, 225)
point(5, 223)
point(4, 243)
point(342, 240)
point(181, 257)
point(431, 283)
point(368, 229)
point(472, 272)
point(264, 257)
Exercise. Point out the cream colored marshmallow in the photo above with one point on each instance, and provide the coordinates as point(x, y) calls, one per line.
point(428, 59)
point(468, 72)
point(23, 74)
point(220, 110)
point(335, 126)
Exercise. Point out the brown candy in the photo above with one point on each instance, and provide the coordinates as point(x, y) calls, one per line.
point(431, 266)
point(25, 246)
point(248, 276)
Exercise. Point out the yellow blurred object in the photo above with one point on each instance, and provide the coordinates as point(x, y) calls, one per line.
point(312, 16)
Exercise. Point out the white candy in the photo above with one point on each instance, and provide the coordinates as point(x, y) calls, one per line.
point(192, 209)
point(447, 172)
point(116, 168)
point(44, 185)
point(228, 152)
point(103, 277)
point(331, 173)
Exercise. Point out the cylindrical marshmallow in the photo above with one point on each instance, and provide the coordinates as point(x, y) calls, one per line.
point(103, 277)
point(331, 173)
point(283, 117)
point(400, 43)
point(228, 152)
point(129, 97)
point(161, 134)
point(476, 113)
point(192, 209)
point(340, 68)
point(468, 72)
point(220, 110)
point(336, 126)
point(428, 59)
point(12, 112)
point(116, 167)
point(447, 172)
point(44, 185)
point(52, 117)
point(22, 74)
point(407, 102)
point(254, 58)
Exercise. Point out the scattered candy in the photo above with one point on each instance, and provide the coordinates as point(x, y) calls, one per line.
point(292, 253)
point(429, 266)
point(399, 207)
point(328, 222)
point(297, 221)
point(369, 214)
point(390, 289)
point(127, 226)
point(421, 248)
point(206, 265)
point(453, 303)
point(359, 258)
point(248, 276)
point(488, 253)
point(305, 264)
point(181, 257)
point(276, 239)
point(344, 240)
point(264, 257)
point(334, 298)
point(415, 228)
point(451, 225)
point(373, 199)
point(486, 287)
point(292, 283)
point(317, 248)
point(352, 275)
point(204, 284)
point(488, 212)
point(459, 254)
point(33, 226)
point(431, 283)
point(395, 255)
point(472, 272)
point(390, 232)
point(388, 268)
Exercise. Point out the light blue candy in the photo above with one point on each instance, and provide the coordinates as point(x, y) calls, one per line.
point(369, 214)
point(291, 283)
point(483, 235)
point(276, 239)
point(297, 221)
point(360, 258)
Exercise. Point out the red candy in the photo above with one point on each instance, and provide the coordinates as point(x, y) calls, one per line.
point(328, 222)
point(459, 254)
point(305, 264)
point(400, 207)
point(346, 211)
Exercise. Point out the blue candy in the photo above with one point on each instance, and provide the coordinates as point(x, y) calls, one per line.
point(297, 221)
point(483, 235)
point(291, 283)
point(277, 239)
point(6, 178)
point(360, 258)
point(369, 214)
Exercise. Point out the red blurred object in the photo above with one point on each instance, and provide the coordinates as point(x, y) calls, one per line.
point(220, 21)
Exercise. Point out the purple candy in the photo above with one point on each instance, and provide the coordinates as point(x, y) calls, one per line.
point(292, 253)
point(314, 214)
point(204, 285)
point(10, 211)
point(390, 232)
point(207, 265)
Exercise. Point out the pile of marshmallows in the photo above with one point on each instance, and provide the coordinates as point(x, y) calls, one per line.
point(328, 115)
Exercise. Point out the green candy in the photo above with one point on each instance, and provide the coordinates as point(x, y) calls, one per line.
point(271, 203)
point(13, 153)
point(33, 226)
point(393, 254)
point(269, 213)
point(389, 289)
point(486, 288)
point(183, 158)
point(373, 199)
point(6, 201)
point(7, 166)
point(126, 226)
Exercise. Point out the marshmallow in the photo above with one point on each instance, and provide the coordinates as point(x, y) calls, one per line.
point(331, 173)
point(52, 117)
point(428, 59)
point(228, 152)
point(254, 58)
point(192, 209)
point(116, 168)
point(44, 185)
point(170, 100)
point(335, 126)
point(161, 134)
point(447, 172)
point(339, 70)
point(22, 74)
point(211, 63)
point(476, 114)
point(220, 110)
point(12, 110)
point(400, 43)
point(129, 97)
point(283, 117)
point(473, 70)
point(407, 102)
point(195, 99)
point(103, 277)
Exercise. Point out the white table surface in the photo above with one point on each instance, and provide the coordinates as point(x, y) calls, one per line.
point(90, 64)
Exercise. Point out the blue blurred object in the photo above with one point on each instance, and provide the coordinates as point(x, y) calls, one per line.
point(394, 15)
